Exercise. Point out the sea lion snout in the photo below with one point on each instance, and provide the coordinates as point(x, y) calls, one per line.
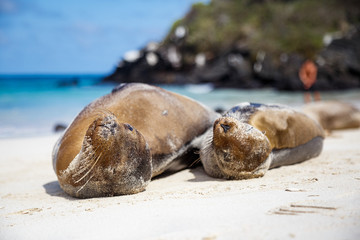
point(106, 126)
point(109, 127)
point(225, 127)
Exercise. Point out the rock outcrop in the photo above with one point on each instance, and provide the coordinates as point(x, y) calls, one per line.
point(253, 44)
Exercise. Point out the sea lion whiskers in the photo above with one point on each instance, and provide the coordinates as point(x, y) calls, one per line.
point(196, 161)
point(92, 167)
point(82, 187)
point(85, 165)
point(207, 142)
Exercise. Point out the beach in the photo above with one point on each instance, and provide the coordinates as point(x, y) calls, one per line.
point(57, 58)
point(316, 199)
point(33, 105)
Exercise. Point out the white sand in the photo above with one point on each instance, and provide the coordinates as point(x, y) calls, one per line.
point(317, 199)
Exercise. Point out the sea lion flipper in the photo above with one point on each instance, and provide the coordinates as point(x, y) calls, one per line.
point(114, 160)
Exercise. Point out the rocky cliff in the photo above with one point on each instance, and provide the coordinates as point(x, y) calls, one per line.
point(253, 44)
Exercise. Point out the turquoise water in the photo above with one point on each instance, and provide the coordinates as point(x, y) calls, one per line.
point(32, 105)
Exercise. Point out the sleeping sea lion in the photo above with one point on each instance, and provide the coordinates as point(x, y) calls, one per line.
point(333, 115)
point(251, 138)
point(120, 141)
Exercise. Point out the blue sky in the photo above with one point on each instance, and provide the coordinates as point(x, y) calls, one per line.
point(79, 36)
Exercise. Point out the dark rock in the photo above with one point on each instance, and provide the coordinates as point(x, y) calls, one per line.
point(152, 66)
point(338, 67)
point(289, 73)
point(68, 83)
point(59, 127)
point(220, 110)
point(340, 62)
point(232, 69)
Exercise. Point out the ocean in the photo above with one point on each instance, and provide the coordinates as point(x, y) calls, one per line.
point(31, 105)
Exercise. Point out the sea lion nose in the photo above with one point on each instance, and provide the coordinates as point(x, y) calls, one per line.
point(225, 127)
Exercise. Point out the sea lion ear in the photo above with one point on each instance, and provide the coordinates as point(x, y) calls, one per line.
point(112, 152)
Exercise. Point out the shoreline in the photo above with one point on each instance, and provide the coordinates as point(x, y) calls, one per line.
point(315, 199)
point(37, 113)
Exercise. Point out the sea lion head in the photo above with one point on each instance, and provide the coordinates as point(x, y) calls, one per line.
point(241, 151)
point(114, 160)
point(113, 139)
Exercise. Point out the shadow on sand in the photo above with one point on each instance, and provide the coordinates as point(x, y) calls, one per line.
point(53, 189)
point(201, 176)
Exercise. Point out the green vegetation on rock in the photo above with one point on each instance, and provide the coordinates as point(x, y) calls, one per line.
point(272, 26)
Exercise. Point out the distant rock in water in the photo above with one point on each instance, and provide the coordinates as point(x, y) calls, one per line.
point(59, 127)
point(68, 83)
point(220, 110)
point(246, 55)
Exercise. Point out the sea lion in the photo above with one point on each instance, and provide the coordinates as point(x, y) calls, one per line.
point(333, 115)
point(120, 141)
point(251, 138)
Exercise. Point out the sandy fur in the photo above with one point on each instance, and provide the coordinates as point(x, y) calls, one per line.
point(333, 115)
point(167, 122)
point(284, 127)
point(259, 136)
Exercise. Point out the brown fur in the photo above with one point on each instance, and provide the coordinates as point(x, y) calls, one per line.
point(101, 171)
point(285, 128)
point(239, 146)
point(159, 115)
point(161, 122)
point(250, 138)
point(333, 115)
